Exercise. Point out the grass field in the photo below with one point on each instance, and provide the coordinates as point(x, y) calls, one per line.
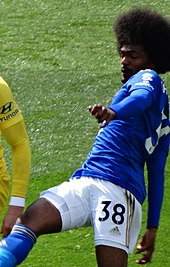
point(59, 57)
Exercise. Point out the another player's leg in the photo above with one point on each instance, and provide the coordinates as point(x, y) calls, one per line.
point(40, 218)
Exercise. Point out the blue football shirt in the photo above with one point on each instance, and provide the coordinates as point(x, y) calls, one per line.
point(123, 146)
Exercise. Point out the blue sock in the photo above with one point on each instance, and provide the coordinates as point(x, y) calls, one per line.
point(18, 244)
point(7, 259)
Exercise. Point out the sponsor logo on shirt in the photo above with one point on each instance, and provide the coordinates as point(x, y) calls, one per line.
point(7, 110)
point(146, 79)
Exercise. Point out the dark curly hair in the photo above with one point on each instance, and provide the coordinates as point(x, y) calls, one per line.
point(149, 29)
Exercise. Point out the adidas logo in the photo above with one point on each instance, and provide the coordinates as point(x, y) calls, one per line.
point(115, 230)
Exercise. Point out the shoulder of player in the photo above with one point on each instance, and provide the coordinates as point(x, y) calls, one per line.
point(4, 87)
point(148, 74)
point(146, 77)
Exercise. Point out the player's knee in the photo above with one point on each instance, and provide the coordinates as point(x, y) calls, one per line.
point(42, 217)
point(24, 219)
point(30, 217)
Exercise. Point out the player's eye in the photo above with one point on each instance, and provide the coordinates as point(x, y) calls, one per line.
point(133, 56)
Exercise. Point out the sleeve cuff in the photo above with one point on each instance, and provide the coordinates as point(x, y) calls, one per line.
point(17, 201)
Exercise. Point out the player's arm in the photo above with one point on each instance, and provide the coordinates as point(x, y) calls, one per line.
point(131, 106)
point(102, 114)
point(17, 138)
point(155, 167)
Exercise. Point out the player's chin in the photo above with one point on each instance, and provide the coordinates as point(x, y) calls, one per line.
point(126, 75)
point(125, 78)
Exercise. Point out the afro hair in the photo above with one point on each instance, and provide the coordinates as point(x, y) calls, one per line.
point(149, 29)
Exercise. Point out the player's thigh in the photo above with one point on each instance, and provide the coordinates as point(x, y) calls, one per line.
point(111, 257)
point(71, 199)
point(42, 217)
point(115, 212)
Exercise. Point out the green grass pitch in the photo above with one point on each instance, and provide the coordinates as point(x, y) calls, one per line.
point(59, 57)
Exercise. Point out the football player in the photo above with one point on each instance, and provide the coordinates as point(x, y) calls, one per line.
point(108, 190)
point(13, 129)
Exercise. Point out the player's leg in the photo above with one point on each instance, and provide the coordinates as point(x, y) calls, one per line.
point(111, 257)
point(116, 218)
point(42, 217)
point(59, 208)
point(39, 218)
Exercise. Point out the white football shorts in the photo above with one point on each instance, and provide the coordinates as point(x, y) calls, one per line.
point(113, 212)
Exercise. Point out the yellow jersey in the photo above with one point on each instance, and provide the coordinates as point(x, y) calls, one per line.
point(13, 129)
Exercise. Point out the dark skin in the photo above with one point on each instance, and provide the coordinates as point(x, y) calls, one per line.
point(133, 59)
point(10, 219)
point(146, 245)
point(37, 218)
point(43, 218)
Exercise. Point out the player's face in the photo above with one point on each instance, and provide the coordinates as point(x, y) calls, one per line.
point(133, 59)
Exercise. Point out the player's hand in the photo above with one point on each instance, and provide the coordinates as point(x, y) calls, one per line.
point(102, 114)
point(10, 218)
point(146, 245)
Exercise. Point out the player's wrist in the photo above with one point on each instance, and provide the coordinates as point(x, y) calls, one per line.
point(111, 113)
point(17, 201)
point(152, 228)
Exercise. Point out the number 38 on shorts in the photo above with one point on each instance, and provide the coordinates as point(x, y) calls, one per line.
point(117, 213)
